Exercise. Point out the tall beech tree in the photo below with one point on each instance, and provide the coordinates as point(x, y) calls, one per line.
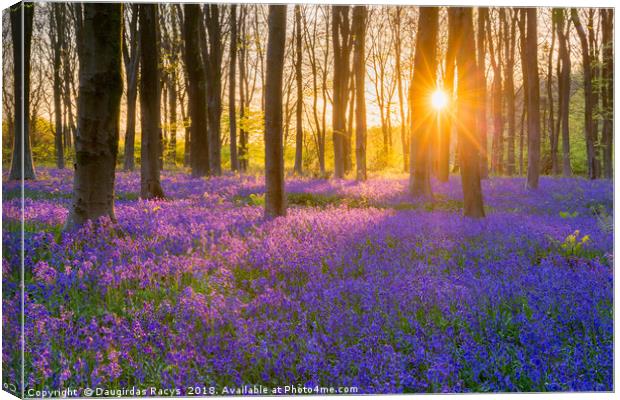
point(69, 65)
point(150, 98)
point(552, 127)
point(360, 14)
point(523, 57)
point(607, 92)
point(563, 88)
point(131, 57)
point(404, 137)
point(22, 15)
point(171, 45)
point(588, 94)
point(232, 82)
point(242, 152)
point(533, 99)
point(342, 41)
point(213, 67)
point(275, 197)
point(299, 131)
point(100, 90)
point(483, 14)
point(510, 25)
point(495, 51)
point(56, 33)
point(468, 101)
point(445, 128)
point(423, 84)
point(199, 147)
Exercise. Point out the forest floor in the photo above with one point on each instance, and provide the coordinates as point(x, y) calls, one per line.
point(358, 286)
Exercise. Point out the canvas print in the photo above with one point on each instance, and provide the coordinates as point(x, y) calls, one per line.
point(221, 199)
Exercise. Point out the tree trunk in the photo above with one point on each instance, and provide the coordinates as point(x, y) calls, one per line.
point(533, 103)
point(22, 167)
point(564, 91)
point(342, 46)
point(100, 91)
point(150, 97)
point(423, 83)
point(56, 37)
point(348, 138)
point(483, 13)
point(607, 92)
point(588, 95)
point(468, 100)
point(299, 133)
point(399, 82)
point(275, 200)
point(553, 138)
point(596, 89)
point(199, 150)
point(232, 76)
point(132, 61)
point(497, 148)
point(509, 90)
point(445, 118)
point(359, 64)
point(68, 83)
point(214, 87)
point(172, 117)
point(243, 142)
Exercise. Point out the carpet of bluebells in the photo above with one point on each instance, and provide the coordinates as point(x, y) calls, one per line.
point(359, 285)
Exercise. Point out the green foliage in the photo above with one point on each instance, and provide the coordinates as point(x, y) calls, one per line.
point(567, 214)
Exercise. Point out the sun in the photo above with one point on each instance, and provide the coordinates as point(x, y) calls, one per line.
point(439, 99)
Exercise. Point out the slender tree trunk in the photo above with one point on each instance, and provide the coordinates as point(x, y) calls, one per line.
point(607, 93)
point(22, 15)
point(56, 34)
point(150, 97)
point(497, 150)
point(342, 46)
point(467, 114)
point(348, 139)
point(67, 71)
point(359, 64)
point(275, 198)
point(101, 88)
point(243, 142)
point(214, 87)
point(423, 83)
point(483, 14)
point(199, 150)
point(445, 118)
point(533, 104)
point(523, 57)
point(172, 117)
point(299, 133)
point(588, 95)
point(555, 165)
point(187, 130)
point(564, 91)
point(132, 61)
point(163, 129)
point(596, 89)
point(509, 90)
point(232, 77)
point(404, 136)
